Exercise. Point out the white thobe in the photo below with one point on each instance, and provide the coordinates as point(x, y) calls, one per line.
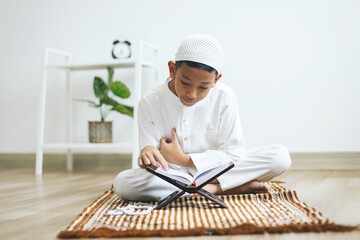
point(209, 131)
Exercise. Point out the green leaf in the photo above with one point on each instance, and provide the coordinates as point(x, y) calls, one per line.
point(127, 110)
point(108, 101)
point(91, 103)
point(120, 89)
point(100, 88)
point(131, 111)
point(111, 74)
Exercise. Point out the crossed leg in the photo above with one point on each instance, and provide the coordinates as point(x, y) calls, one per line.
point(259, 165)
point(249, 187)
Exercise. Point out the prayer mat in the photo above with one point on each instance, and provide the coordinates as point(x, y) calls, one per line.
point(276, 212)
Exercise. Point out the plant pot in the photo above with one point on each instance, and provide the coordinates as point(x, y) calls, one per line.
point(100, 132)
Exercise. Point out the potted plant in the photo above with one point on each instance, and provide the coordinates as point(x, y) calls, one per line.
point(101, 131)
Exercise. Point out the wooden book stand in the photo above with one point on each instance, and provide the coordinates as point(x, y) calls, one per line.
point(189, 189)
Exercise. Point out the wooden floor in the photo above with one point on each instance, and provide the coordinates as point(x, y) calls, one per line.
point(40, 207)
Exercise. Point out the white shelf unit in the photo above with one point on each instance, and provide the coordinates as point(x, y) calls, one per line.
point(137, 64)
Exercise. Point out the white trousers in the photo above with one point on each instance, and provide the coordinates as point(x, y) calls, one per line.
point(261, 164)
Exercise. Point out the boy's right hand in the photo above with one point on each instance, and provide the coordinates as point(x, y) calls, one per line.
point(150, 155)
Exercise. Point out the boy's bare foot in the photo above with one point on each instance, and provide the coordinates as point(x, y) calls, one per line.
point(250, 187)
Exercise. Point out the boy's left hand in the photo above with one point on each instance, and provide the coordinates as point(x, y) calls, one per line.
point(172, 152)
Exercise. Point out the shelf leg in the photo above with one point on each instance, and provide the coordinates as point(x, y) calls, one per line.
point(69, 155)
point(69, 160)
point(39, 162)
point(41, 123)
point(137, 95)
point(158, 78)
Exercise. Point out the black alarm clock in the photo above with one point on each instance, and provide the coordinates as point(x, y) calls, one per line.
point(121, 48)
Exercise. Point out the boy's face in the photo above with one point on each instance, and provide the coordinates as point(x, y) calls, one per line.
point(191, 85)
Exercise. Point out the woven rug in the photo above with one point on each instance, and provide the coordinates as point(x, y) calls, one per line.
point(278, 212)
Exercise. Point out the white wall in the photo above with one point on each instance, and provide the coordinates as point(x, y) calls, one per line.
point(294, 65)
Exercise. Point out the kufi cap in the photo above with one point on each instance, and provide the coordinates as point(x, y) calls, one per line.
point(202, 49)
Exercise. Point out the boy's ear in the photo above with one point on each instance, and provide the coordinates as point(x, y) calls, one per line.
point(172, 69)
point(216, 79)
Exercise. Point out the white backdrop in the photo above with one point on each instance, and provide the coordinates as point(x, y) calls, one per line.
point(294, 65)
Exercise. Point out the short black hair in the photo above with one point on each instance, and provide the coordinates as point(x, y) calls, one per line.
point(196, 65)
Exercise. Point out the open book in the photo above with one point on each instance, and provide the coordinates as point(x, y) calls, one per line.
point(191, 184)
point(199, 178)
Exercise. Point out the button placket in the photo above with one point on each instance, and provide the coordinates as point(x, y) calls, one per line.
point(185, 126)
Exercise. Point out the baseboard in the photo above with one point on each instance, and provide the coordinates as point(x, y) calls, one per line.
point(58, 160)
point(300, 161)
point(325, 161)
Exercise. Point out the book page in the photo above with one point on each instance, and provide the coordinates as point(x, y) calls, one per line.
point(209, 172)
point(176, 175)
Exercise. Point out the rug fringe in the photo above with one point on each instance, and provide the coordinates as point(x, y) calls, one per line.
point(242, 229)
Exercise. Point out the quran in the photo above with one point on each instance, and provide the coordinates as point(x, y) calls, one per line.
point(198, 179)
point(191, 184)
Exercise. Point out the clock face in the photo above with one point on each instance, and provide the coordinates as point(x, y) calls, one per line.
point(121, 50)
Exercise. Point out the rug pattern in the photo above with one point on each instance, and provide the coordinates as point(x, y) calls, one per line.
point(280, 211)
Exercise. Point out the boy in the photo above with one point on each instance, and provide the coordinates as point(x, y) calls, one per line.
point(191, 122)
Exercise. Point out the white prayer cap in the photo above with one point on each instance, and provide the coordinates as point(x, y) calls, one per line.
point(202, 49)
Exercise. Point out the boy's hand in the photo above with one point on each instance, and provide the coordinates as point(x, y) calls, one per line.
point(172, 152)
point(150, 155)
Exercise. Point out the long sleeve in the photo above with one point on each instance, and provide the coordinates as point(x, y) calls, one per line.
point(147, 125)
